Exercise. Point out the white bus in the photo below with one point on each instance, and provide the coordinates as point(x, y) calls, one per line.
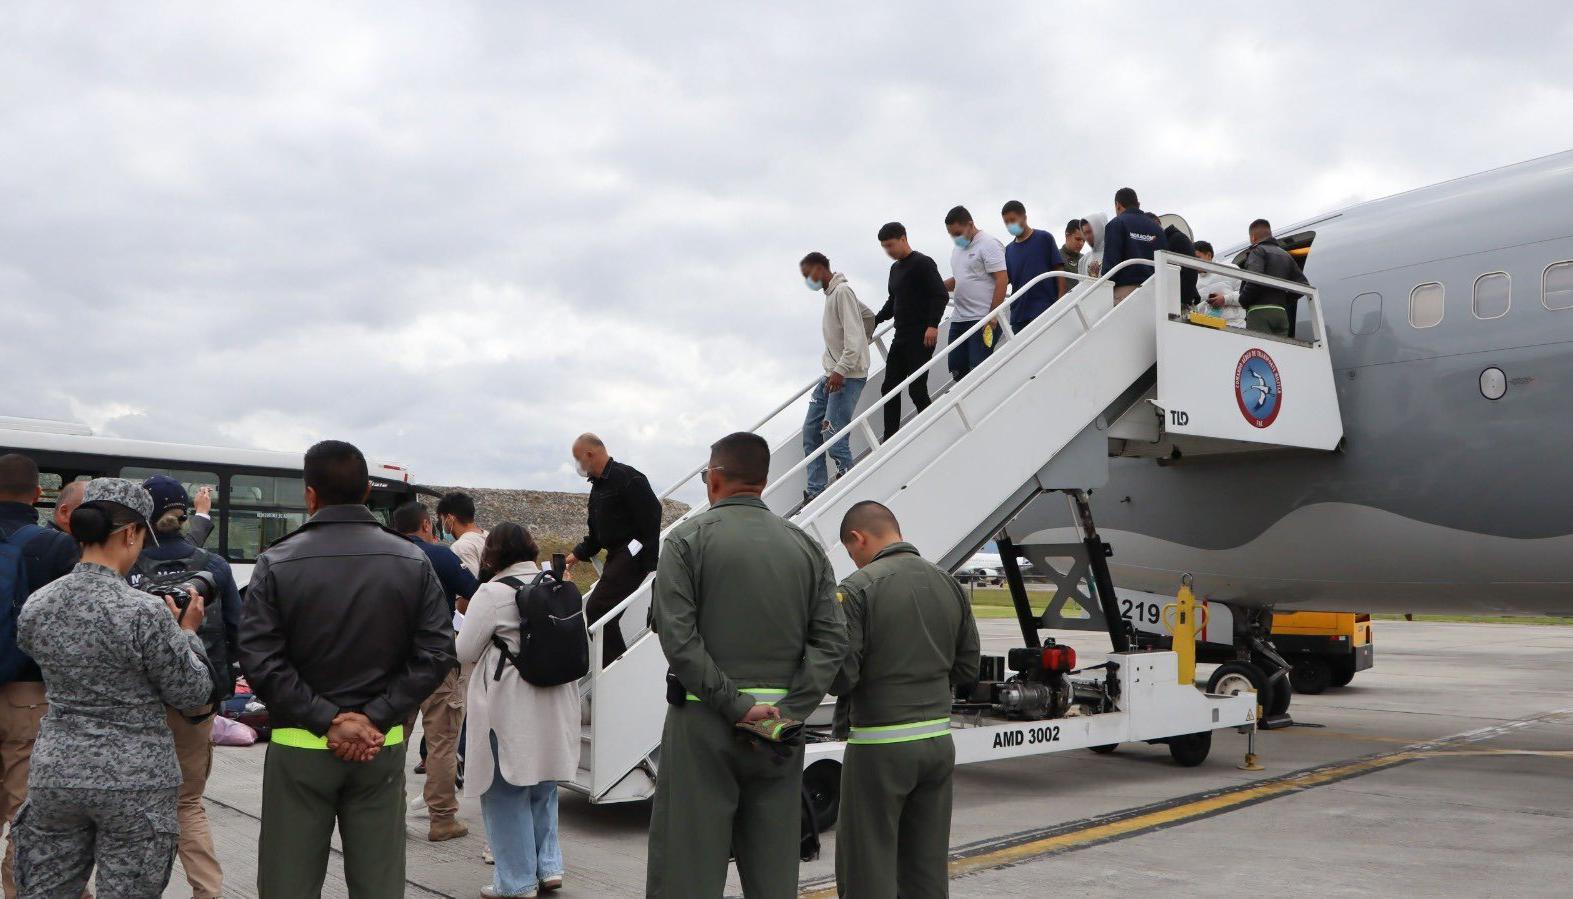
point(258, 495)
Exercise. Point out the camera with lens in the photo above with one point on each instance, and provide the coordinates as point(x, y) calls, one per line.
point(178, 585)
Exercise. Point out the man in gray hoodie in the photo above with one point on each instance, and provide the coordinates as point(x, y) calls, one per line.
point(847, 326)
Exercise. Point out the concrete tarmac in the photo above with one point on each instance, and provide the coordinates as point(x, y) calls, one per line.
point(1487, 814)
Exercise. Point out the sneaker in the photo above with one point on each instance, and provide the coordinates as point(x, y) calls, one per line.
point(447, 829)
point(420, 768)
point(418, 802)
point(490, 892)
point(486, 855)
point(552, 884)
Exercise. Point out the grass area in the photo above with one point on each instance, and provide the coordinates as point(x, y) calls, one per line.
point(1553, 620)
point(994, 602)
point(583, 575)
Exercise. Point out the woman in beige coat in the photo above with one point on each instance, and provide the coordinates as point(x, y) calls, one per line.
point(521, 738)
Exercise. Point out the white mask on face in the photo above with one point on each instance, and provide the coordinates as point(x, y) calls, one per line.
point(579, 467)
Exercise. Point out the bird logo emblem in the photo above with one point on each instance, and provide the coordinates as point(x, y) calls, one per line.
point(1258, 388)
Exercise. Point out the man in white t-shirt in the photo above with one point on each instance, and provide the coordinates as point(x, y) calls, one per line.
point(977, 284)
point(456, 511)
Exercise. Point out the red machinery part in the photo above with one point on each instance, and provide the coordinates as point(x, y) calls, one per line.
point(1059, 659)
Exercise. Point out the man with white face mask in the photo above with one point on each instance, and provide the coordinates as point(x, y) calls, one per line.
point(625, 520)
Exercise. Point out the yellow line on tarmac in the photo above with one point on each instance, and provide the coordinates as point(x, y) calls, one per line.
point(1203, 807)
point(1170, 816)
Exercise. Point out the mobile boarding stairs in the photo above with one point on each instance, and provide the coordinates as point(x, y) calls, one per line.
point(1086, 380)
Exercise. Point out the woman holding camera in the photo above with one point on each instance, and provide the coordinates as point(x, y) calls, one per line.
point(521, 738)
point(104, 782)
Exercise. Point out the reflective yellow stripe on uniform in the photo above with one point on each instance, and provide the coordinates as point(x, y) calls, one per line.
point(300, 738)
point(765, 695)
point(899, 733)
point(1268, 306)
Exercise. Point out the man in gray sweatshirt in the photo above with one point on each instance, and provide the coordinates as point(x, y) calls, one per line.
point(847, 325)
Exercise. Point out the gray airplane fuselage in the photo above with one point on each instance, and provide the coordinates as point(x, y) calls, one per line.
point(1440, 499)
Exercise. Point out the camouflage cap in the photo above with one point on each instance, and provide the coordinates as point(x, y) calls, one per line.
point(122, 493)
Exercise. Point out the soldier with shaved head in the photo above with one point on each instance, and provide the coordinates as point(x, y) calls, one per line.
point(912, 640)
point(625, 521)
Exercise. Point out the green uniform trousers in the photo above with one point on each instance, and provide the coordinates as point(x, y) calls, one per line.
point(718, 794)
point(304, 792)
point(893, 834)
point(1267, 319)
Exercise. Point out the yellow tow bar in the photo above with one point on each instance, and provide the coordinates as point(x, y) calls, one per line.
point(1180, 617)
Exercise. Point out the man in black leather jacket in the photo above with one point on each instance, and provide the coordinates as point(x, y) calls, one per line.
point(1270, 310)
point(346, 630)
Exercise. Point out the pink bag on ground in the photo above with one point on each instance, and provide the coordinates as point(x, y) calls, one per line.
point(228, 732)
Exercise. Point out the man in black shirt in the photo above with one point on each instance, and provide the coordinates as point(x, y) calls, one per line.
point(917, 303)
point(625, 520)
point(1179, 243)
point(47, 554)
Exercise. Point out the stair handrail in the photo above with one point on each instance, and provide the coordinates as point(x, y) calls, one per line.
point(681, 482)
point(941, 356)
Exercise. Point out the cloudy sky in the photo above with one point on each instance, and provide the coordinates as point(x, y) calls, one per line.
point(459, 234)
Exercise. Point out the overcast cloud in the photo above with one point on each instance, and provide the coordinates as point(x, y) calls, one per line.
point(460, 234)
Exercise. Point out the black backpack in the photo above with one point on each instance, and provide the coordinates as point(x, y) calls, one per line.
point(212, 629)
point(13, 592)
point(554, 644)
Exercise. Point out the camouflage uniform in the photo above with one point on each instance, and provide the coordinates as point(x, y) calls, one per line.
point(104, 779)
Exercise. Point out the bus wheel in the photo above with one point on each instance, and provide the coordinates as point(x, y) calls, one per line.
point(1311, 675)
point(1105, 749)
point(1191, 750)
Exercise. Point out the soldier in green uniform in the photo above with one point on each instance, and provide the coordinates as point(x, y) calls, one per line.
point(912, 639)
point(745, 606)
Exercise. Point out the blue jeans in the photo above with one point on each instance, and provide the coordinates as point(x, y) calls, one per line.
point(836, 408)
point(521, 824)
point(970, 355)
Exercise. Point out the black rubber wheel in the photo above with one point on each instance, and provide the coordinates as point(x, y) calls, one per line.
point(1343, 672)
point(1282, 694)
point(1231, 678)
point(1191, 750)
point(1311, 675)
point(822, 789)
point(1104, 749)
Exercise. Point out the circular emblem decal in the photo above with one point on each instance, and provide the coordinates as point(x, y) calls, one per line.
point(1258, 388)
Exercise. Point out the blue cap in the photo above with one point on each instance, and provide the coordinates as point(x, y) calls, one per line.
point(166, 493)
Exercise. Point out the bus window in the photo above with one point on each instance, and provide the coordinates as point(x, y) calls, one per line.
point(191, 480)
point(262, 508)
point(50, 483)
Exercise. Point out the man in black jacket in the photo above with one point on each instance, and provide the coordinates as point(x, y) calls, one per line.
point(917, 303)
point(1269, 309)
point(346, 630)
point(625, 520)
point(1130, 235)
point(48, 555)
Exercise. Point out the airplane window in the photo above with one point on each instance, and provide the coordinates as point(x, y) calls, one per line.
point(1425, 305)
point(1493, 295)
point(1556, 286)
point(1365, 314)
